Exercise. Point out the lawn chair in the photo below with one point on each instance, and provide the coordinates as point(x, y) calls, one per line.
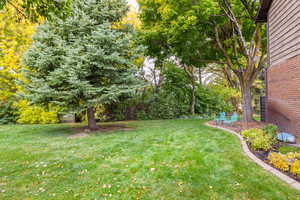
point(234, 118)
point(220, 118)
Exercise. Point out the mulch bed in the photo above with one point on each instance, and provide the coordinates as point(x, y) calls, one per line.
point(241, 126)
point(262, 155)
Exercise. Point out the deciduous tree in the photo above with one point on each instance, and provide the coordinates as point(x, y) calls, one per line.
point(208, 31)
point(37, 9)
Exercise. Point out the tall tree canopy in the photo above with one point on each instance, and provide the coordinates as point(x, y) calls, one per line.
point(208, 31)
point(15, 38)
point(35, 9)
point(170, 30)
point(83, 60)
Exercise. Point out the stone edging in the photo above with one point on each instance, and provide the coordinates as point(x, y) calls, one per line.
point(267, 167)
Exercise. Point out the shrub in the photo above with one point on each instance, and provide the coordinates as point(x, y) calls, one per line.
point(271, 130)
point(172, 99)
point(288, 149)
point(279, 161)
point(7, 113)
point(35, 114)
point(262, 142)
point(295, 168)
point(250, 134)
point(258, 139)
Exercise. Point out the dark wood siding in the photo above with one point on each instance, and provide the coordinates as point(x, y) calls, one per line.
point(284, 30)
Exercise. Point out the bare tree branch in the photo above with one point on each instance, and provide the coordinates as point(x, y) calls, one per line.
point(17, 9)
point(230, 14)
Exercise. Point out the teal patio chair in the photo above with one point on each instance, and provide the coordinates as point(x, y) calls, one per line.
point(221, 118)
point(234, 118)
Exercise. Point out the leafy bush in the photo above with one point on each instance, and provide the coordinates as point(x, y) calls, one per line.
point(258, 139)
point(262, 142)
point(35, 114)
point(212, 100)
point(279, 161)
point(172, 99)
point(288, 149)
point(271, 130)
point(7, 113)
point(250, 134)
point(295, 168)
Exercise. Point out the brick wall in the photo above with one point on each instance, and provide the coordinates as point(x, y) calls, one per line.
point(283, 108)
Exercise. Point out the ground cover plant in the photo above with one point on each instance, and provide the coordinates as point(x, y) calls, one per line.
point(172, 159)
point(280, 155)
point(288, 149)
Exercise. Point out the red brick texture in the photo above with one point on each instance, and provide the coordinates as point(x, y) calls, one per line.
point(283, 91)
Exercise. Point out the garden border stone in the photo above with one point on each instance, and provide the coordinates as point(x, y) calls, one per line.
point(293, 183)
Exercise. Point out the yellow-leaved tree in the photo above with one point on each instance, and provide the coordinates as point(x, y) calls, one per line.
point(15, 39)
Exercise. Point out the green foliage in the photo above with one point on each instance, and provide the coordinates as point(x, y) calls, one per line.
point(163, 106)
point(262, 142)
point(250, 134)
point(201, 32)
point(176, 83)
point(30, 114)
point(147, 105)
point(83, 60)
point(7, 113)
point(172, 99)
point(271, 130)
point(167, 104)
point(288, 149)
point(258, 139)
point(37, 9)
point(212, 100)
point(178, 27)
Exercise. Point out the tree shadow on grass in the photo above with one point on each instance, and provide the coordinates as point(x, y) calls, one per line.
point(56, 131)
point(109, 128)
point(74, 130)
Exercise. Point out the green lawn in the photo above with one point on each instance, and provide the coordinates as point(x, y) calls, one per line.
point(174, 159)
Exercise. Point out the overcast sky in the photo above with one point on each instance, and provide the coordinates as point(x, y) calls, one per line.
point(133, 2)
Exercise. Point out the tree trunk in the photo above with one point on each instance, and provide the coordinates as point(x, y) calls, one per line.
point(247, 105)
point(193, 102)
point(91, 119)
point(200, 76)
point(190, 74)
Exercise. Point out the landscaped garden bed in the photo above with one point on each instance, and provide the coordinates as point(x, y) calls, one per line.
point(262, 142)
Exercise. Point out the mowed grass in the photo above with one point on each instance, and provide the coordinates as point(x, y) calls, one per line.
point(172, 159)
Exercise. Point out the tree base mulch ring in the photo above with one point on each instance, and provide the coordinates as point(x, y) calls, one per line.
point(262, 155)
point(80, 132)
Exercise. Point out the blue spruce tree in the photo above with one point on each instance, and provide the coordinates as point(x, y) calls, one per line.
point(82, 61)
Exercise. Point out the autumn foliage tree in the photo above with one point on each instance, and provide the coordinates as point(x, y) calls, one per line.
point(34, 10)
point(15, 38)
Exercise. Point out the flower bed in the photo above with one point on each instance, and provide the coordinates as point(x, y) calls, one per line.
point(261, 140)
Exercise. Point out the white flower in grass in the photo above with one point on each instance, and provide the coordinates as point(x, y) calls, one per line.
point(152, 169)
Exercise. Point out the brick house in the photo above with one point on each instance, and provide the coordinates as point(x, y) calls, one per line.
point(283, 73)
